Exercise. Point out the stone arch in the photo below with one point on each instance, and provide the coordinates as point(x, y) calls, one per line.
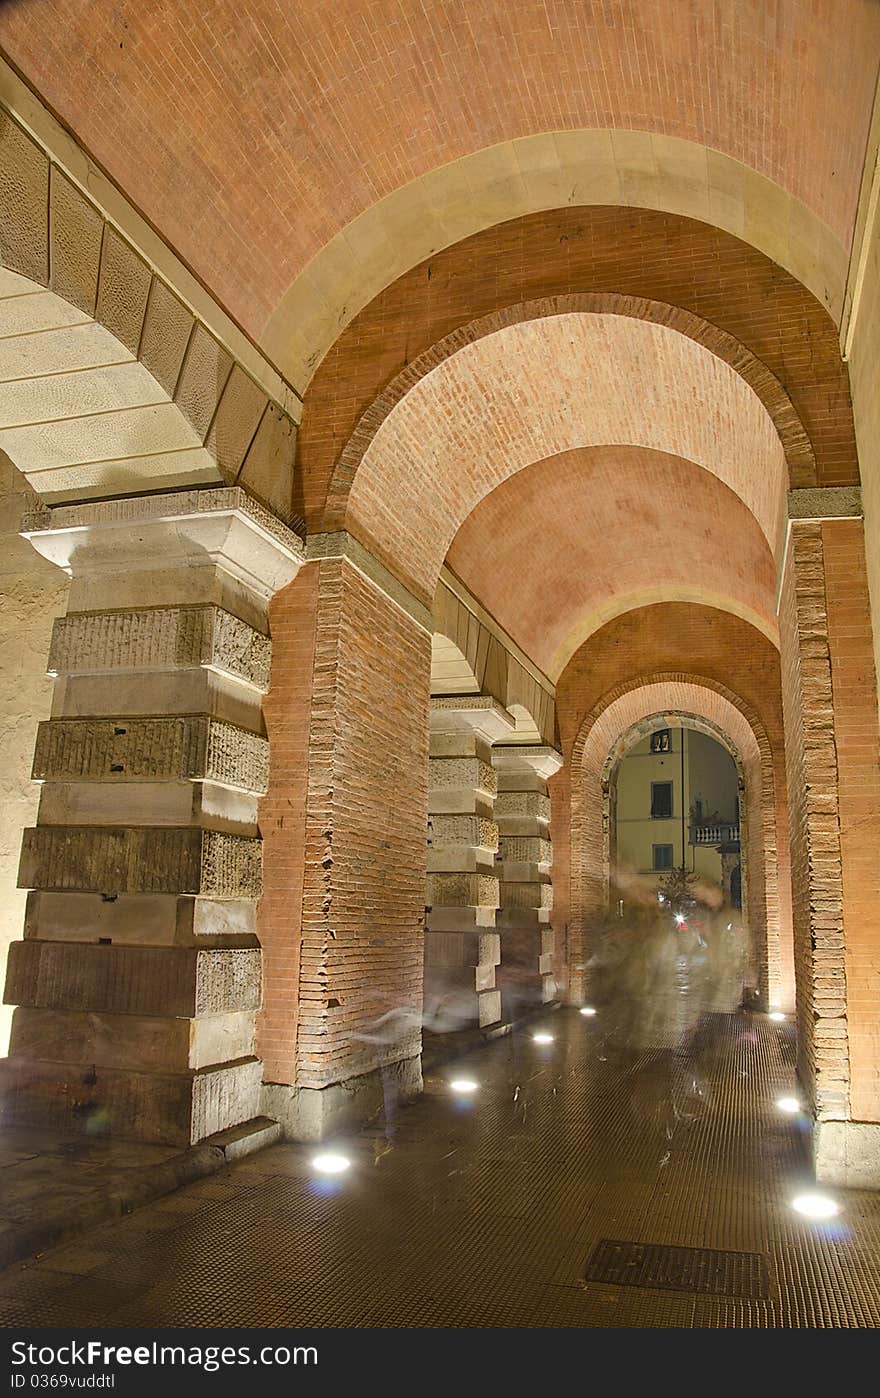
point(631, 168)
point(537, 388)
point(109, 383)
point(769, 911)
point(469, 650)
point(450, 671)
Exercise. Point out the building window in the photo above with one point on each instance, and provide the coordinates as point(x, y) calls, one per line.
point(662, 857)
point(661, 741)
point(661, 800)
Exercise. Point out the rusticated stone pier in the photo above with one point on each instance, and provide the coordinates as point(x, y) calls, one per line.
point(461, 944)
point(138, 979)
point(526, 974)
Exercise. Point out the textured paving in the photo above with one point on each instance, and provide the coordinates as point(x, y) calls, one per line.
point(488, 1212)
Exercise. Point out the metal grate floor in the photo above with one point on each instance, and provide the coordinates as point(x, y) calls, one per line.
point(708, 1271)
point(487, 1211)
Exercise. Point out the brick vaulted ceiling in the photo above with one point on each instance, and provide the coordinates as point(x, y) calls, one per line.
point(250, 132)
point(639, 253)
point(537, 388)
point(566, 544)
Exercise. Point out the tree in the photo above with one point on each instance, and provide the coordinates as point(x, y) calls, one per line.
point(678, 891)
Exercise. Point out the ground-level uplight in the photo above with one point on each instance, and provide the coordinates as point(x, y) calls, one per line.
point(815, 1206)
point(330, 1163)
point(788, 1104)
point(543, 1038)
point(463, 1085)
point(587, 1010)
point(777, 1015)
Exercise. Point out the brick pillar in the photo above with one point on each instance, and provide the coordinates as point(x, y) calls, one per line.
point(462, 947)
point(343, 928)
point(833, 759)
point(522, 809)
point(138, 978)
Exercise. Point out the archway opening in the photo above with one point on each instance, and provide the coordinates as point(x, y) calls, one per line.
point(675, 945)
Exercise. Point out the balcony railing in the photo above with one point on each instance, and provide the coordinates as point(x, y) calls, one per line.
point(714, 834)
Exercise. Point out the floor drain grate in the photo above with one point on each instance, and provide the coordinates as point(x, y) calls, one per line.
point(707, 1271)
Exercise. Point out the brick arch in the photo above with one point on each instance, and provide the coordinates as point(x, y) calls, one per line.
point(799, 455)
point(635, 253)
point(536, 388)
point(703, 700)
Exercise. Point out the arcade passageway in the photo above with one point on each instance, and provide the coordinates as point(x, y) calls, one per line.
point(486, 1210)
point(440, 508)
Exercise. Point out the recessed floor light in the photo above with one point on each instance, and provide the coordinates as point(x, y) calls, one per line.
point(788, 1104)
point(330, 1164)
point(815, 1206)
point(543, 1038)
point(587, 1010)
point(777, 1015)
point(463, 1085)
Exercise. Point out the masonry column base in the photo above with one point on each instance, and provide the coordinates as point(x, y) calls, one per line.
point(175, 1108)
point(314, 1113)
point(847, 1153)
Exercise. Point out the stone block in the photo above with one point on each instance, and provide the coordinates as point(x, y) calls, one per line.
point(178, 803)
point(511, 873)
point(169, 981)
point(140, 860)
point(479, 715)
point(452, 949)
point(462, 890)
point(525, 849)
point(459, 919)
point(484, 977)
point(151, 749)
point(162, 1108)
point(167, 692)
point(463, 830)
point(528, 895)
point(160, 638)
point(519, 804)
point(145, 1042)
point(525, 766)
point(458, 774)
point(464, 859)
point(489, 1008)
point(525, 916)
point(143, 919)
point(847, 1153)
point(311, 1113)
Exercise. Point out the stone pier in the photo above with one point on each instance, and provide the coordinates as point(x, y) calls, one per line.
point(462, 948)
point(526, 975)
point(138, 979)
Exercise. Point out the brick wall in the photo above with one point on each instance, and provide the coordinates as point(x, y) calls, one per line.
point(817, 886)
point(858, 773)
point(364, 705)
point(287, 708)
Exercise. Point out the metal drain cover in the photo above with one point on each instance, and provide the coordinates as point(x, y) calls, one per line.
point(708, 1271)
